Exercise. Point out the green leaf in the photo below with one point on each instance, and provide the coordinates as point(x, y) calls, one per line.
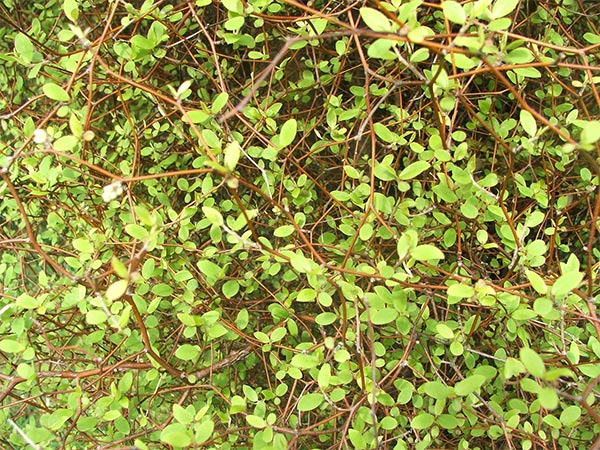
point(71, 9)
point(204, 431)
point(195, 116)
point(435, 389)
point(326, 318)
point(83, 245)
point(301, 263)
point(24, 48)
point(219, 102)
point(187, 352)
point(461, 61)
point(162, 290)
point(235, 6)
point(426, 252)
point(256, 421)
point(382, 133)
point(284, 231)
point(116, 290)
point(534, 364)
point(422, 421)
point(230, 288)
point(58, 418)
point(26, 301)
point(177, 435)
point(521, 55)
point(54, 92)
point(213, 215)
point(136, 231)
point(503, 7)
point(120, 268)
point(590, 133)
point(537, 282)
point(592, 38)
point(413, 170)
point(65, 143)
point(419, 34)
point(548, 398)
point(570, 415)
point(384, 172)
point(566, 283)
point(302, 361)
point(308, 402)
point(460, 290)
point(11, 346)
point(444, 331)
point(238, 404)
point(528, 122)
point(306, 295)
point(469, 385)
point(211, 271)
point(454, 12)
point(95, 317)
point(375, 20)
point(231, 156)
point(288, 133)
point(324, 376)
point(183, 415)
point(142, 42)
point(383, 316)
point(380, 49)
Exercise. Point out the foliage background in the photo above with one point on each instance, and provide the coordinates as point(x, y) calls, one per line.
point(265, 224)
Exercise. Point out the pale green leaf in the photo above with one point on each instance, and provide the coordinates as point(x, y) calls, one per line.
point(11, 346)
point(187, 352)
point(54, 92)
point(454, 12)
point(444, 331)
point(183, 415)
point(195, 116)
point(83, 245)
point(71, 9)
point(537, 282)
point(469, 385)
point(288, 132)
point(534, 364)
point(413, 170)
point(502, 8)
point(256, 421)
point(590, 133)
point(231, 156)
point(24, 48)
point(284, 231)
point(309, 402)
point(566, 283)
point(219, 102)
point(383, 316)
point(117, 289)
point(213, 215)
point(301, 263)
point(422, 421)
point(375, 20)
point(65, 143)
point(528, 122)
point(95, 317)
point(136, 231)
point(426, 252)
point(177, 435)
point(27, 301)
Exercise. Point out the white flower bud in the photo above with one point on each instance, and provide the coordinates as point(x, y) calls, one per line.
point(40, 136)
point(112, 191)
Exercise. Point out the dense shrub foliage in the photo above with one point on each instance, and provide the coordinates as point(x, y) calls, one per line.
point(269, 224)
